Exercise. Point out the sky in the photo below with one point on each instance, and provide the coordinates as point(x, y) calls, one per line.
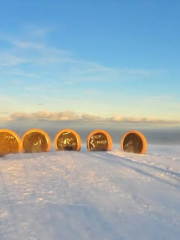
point(111, 61)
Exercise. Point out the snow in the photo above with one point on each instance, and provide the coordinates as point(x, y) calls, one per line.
point(91, 195)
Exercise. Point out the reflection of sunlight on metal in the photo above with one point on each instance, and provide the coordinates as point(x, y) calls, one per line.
point(99, 140)
point(134, 141)
point(65, 133)
point(36, 140)
point(67, 139)
point(10, 142)
point(92, 144)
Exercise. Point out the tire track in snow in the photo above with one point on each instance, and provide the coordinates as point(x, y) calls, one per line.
point(139, 200)
point(156, 166)
point(78, 200)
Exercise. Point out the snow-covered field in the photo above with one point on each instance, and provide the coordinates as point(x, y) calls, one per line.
point(91, 195)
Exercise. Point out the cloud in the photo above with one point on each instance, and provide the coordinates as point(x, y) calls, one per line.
point(28, 45)
point(72, 116)
point(38, 31)
point(89, 117)
point(161, 97)
point(45, 116)
point(15, 82)
point(144, 120)
point(45, 59)
point(9, 59)
point(21, 73)
point(4, 119)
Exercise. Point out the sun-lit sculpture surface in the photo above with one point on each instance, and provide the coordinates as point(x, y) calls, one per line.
point(134, 141)
point(67, 139)
point(10, 142)
point(36, 140)
point(99, 140)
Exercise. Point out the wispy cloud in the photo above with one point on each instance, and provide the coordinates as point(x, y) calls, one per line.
point(37, 31)
point(10, 59)
point(21, 73)
point(15, 82)
point(56, 61)
point(160, 97)
point(28, 45)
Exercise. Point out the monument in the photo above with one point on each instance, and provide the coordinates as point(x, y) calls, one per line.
point(67, 139)
point(10, 142)
point(134, 141)
point(36, 140)
point(99, 140)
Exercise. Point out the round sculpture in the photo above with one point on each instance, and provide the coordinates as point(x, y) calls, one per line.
point(134, 142)
point(36, 140)
point(99, 140)
point(10, 142)
point(67, 140)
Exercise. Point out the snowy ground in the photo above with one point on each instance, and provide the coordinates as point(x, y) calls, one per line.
point(91, 195)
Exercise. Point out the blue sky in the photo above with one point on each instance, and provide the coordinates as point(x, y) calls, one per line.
point(90, 60)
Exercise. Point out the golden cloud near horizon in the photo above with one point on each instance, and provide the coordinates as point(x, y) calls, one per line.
point(72, 116)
